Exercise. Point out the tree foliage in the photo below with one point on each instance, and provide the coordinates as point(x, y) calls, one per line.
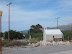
point(1, 34)
point(37, 35)
point(13, 35)
point(35, 32)
point(36, 28)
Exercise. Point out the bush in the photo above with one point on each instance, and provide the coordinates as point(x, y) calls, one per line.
point(13, 35)
point(67, 34)
point(39, 36)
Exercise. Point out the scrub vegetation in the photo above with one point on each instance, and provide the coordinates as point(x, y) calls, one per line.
point(67, 34)
point(35, 32)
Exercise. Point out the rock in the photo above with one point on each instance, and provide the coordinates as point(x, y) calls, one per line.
point(11, 46)
point(54, 43)
point(42, 43)
point(29, 44)
point(67, 42)
point(60, 43)
point(23, 46)
point(37, 44)
point(33, 44)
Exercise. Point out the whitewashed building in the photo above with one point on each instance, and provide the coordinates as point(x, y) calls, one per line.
point(52, 35)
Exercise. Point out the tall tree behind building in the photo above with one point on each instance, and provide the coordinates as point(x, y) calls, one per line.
point(36, 28)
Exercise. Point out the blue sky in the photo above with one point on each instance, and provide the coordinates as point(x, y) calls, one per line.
point(25, 13)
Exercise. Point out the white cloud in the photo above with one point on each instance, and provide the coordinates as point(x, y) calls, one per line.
point(65, 5)
point(32, 0)
point(18, 14)
point(65, 2)
point(31, 3)
point(28, 17)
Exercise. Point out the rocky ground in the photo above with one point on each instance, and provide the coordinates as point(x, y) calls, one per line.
point(56, 49)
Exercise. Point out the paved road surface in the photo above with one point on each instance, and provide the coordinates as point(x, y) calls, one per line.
point(67, 49)
point(63, 52)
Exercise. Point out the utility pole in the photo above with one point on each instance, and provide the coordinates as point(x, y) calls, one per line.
point(29, 35)
point(57, 21)
point(0, 31)
point(9, 21)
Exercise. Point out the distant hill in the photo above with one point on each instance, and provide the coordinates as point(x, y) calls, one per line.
point(63, 27)
point(24, 31)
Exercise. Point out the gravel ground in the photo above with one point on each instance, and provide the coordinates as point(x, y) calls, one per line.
point(67, 49)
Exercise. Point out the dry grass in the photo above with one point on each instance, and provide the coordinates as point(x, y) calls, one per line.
point(34, 40)
point(15, 43)
point(4, 42)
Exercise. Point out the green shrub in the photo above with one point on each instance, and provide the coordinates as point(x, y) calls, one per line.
point(67, 34)
point(37, 35)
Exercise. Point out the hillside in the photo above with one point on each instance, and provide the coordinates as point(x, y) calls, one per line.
point(63, 27)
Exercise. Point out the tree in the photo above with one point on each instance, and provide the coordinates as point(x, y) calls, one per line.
point(13, 35)
point(1, 34)
point(36, 28)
